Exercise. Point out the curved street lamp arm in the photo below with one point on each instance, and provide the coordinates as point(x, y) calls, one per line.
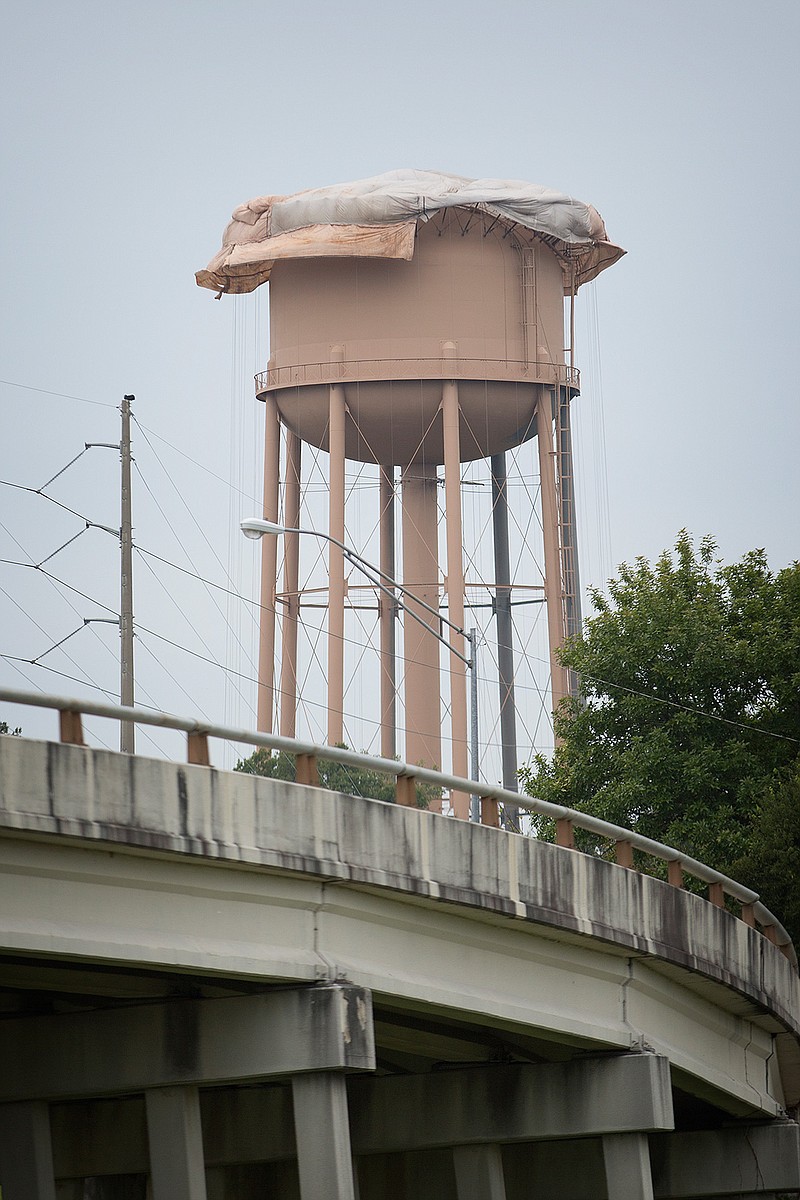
point(256, 527)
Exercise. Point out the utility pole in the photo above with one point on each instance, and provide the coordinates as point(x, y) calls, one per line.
point(126, 734)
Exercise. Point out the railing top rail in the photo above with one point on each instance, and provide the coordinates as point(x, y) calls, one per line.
point(434, 366)
point(532, 804)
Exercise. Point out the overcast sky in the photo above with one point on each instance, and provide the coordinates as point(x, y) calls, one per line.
point(131, 131)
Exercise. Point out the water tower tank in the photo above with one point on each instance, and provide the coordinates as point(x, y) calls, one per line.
point(395, 326)
point(416, 319)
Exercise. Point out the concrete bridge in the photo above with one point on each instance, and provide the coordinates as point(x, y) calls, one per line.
point(215, 985)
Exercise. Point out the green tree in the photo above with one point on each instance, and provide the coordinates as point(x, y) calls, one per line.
point(335, 776)
point(4, 728)
point(687, 727)
point(771, 862)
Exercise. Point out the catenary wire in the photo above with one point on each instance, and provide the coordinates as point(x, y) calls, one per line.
point(65, 395)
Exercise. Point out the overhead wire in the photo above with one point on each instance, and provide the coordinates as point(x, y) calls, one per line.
point(60, 584)
point(21, 487)
point(175, 603)
point(43, 631)
point(57, 583)
point(12, 562)
point(197, 575)
point(28, 387)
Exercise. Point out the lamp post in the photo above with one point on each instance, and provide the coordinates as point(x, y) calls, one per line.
point(256, 527)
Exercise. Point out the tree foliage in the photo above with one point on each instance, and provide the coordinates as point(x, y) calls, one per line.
point(687, 728)
point(335, 776)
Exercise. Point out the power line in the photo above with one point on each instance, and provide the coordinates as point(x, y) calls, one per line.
point(16, 658)
point(21, 487)
point(11, 562)
point(670, 703)
point(203, 641)
point(46, 392)
point(145, 430)
point(178, 540)
point(180, 688)
point(697, 711)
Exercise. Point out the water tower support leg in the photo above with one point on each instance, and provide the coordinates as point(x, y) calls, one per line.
point(387, 610)
point(291, 584)
point(269, 570)
point(573, 622)
point(566, 483)
point(552, 546)
point(455, 589)
point(336, 568)
point(505, 633)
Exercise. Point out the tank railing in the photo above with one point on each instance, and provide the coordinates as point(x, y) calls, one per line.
point(371, 370)
point(407, 779)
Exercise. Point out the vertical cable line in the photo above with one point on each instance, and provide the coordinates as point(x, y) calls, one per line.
point(186, 506)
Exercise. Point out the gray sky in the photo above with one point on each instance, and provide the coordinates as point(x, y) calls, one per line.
point(132, 131)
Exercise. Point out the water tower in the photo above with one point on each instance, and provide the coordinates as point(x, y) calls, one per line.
point(417, 323)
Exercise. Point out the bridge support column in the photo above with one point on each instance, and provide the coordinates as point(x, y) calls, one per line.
point(322, 1133)
point(177, 1170)
point(26, 1156)
point(479, 1172)
point(626, 1158)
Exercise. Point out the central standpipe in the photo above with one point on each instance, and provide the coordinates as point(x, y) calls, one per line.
point(420, 644)
point(455, 583)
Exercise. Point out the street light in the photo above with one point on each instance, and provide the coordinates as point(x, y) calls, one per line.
point(256, 527)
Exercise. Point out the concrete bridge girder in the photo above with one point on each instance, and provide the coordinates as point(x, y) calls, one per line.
point(240, 1039)
point(275, 928)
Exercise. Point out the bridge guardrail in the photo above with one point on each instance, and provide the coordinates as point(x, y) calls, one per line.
point(307, 754)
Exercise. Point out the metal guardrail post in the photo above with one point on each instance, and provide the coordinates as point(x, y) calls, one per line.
point(675, 872)
point(565, 833)
point(70, 727)
point(307, 769)
point(197, 749)
point(406, 791)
